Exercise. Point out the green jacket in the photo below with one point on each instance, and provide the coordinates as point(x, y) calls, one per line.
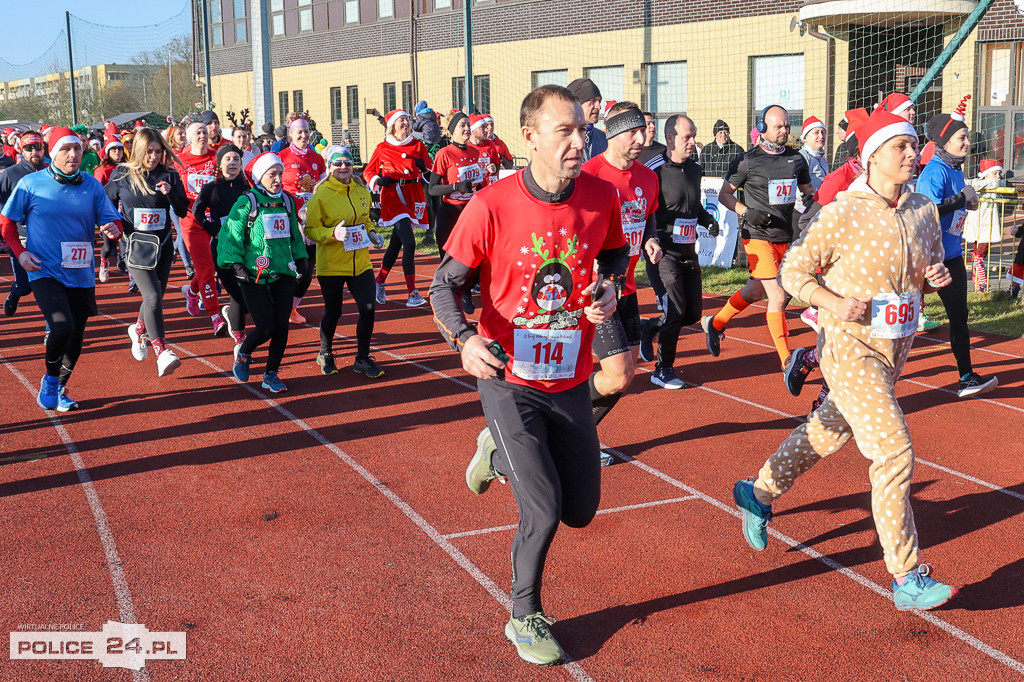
point(90, 160)
point(274, 233)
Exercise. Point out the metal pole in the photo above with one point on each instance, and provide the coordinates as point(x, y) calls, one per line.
point(467, 36)
point(262, 73)
point(71, 71)
point(170, 87)
point(412, 52)
point(947, 53)
point(206, 50)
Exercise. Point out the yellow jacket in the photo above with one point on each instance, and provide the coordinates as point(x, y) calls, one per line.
point(331, 203)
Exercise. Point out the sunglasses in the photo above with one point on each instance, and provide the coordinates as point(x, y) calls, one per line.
point(341, 163)
point(32, 147)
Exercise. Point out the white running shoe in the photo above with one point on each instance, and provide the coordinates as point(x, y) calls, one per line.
point(140, 351)
point(167, 362)
point(382, 298)
point(415, 300)
point(238, 346)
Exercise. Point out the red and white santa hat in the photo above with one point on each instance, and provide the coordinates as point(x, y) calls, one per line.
point(61, 136)
point(476, 120)
point(111, 142)
point(261, 164)
point(895, 103)
point(880, 127)
point(488, 118)
point(393, 116)
point(810, 123)
point(989, 166)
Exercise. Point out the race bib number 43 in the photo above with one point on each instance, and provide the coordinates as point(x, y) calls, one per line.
point(894, 316)
point(781, 192)
point(275, 226)
point(74, 255)
point(546, 354)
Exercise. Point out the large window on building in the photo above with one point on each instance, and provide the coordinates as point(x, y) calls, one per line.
point(407, 103)
point(282, 106)
point(998, 131)
point(352, 97)
point(481, 93)
point(351, 11)
point(241, 33)
point(297, 100)
point(385, 9)
point(335, 105)
point(778, 79)
point(555, 77)
point(389, 98)
point(305, 15)
point(442, 4)
point(610, 80)
point(216, 23)
point(277, 17)
point(664, 92)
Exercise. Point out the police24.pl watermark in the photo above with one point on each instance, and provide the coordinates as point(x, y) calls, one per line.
point(117, 645)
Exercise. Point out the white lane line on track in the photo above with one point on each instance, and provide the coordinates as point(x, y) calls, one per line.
point(572, 667)
point(122, 592)
point(610, 510)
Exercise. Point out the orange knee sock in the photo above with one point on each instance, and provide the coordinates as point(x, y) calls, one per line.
point(734, 307)
point(780, 334)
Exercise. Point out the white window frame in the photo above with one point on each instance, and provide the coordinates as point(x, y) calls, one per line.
point(277, 24)
point(385, 9)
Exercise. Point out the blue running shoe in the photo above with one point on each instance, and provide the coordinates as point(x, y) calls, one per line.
point(48, 392)
point(755, 515)
point(64, 401)
point(241, 367)
point(272, 383)
point(920, 592)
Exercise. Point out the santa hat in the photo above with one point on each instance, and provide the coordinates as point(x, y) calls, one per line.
point(927, 153)
point(880, 127)
point(61, 136)
point(393, 116)
point(608, 104)
point(895, 103)
point(139, 124)
point(111, 143)
point(810, 124)
point(488, 118)
point(475, 121)
point(261, 164)
point(8, 131)
point(990, 165)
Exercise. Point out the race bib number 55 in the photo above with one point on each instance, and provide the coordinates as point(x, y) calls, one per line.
point(546, 354)
point(894, 316)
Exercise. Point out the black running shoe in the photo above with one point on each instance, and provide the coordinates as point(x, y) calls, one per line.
point(796, 371)
point(646, 343)
point(368, 367)
point(325, 359)
point(713, 336)
point(11, 305)
point(190, 272)
point(974, 384)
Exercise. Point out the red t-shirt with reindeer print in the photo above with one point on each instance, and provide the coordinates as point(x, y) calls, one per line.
point(535, 260)
point(638, 192)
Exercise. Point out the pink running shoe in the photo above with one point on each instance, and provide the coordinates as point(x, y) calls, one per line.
point(810, 318)
point(220, 325)
point(191, 300)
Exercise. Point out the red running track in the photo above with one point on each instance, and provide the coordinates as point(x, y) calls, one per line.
point(327, 533)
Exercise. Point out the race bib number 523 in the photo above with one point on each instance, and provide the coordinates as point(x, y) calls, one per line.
point(546, 354)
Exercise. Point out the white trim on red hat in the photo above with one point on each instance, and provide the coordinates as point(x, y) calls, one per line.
point(809, 125)
point(476, 120)
point(67, 139)
point(393, 116)
point(112, 144)
point(881, 136)
point(989, 165)
point(905, 105)
point(264, 162)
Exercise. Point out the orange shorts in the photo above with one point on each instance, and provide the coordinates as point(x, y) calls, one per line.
point(763, 258)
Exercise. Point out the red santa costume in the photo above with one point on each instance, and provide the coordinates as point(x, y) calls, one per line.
point(397, 160)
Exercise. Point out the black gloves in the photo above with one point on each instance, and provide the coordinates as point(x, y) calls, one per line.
point(384, 182)
point(241, 274)
point(806, 199)
point(463, 186)
point(421, 164)
point(713, 228)
point(756, 218)
point(302, 267)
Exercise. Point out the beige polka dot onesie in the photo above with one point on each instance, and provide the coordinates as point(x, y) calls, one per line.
point(865, 249)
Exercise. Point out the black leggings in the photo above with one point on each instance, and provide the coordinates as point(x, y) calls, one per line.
point(270, 305)
point(236, 310)
point(109, 247)
point(954, 299)
point(401, 238)
point(152, 285)
point(680, 271)
point(363, 290)
point(306, 278)
point(66, 310)
point(447, 216)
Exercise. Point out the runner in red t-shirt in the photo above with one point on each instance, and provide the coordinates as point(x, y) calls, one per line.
point(637, 187)
point(533, 240)
point(198, 167)
point(455, 177)
point(303, 169)
point(504, 158)
point(485, 148)
point(394, 170)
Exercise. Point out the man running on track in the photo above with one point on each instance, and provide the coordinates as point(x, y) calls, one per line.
point(60, 209)
point(770, 174)
point(485, 149)
point(637, 187)
point(32, 160)
point(533, 239)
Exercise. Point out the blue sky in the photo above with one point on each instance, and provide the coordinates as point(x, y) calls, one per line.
point(20, 44)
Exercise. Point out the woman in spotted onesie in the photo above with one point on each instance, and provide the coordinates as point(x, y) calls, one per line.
point(878, 246)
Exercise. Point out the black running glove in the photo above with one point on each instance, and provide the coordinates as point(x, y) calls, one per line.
point(384, 182)
point(241, 274)
point(713, 228)
point(463, 186)
point(302, 267)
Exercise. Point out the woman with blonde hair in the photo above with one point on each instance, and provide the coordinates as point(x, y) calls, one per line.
point(148, 191)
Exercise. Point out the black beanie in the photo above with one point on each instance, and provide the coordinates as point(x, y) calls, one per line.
point(268, 128)
point(454, 120)
point(584, 89)
point(208, 117)
point(720, 125)
point(225, 149)
point(943, 127)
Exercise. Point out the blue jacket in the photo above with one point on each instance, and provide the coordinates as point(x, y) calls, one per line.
point(596, 143)
point(938, 182)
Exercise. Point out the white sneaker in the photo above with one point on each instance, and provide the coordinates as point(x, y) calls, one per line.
point(234, 352)
point(167, 362)
point(382, 298)
point(415, 300)
point(140, 351)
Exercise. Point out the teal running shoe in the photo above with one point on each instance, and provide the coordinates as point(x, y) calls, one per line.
point(755, 515)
